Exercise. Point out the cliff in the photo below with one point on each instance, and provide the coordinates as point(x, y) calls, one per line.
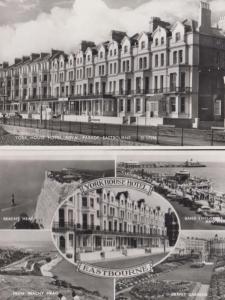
point(51, 195)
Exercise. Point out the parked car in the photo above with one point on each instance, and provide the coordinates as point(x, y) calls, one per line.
point(197, 265)
point(203, 209)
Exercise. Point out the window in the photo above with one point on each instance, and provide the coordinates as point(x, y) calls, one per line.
point(115, 69)
point(173, 79)
point(98, 214)
point(138, 105)
point(217, 108)
point(175, 57)
point(162, 41)
point(156, 42)
point(172, 104)
point(182, 81)
point(182, 105)
point(110, 68)
point(121, 105)
point(124, 66)
point(125, 49)
point(115, 52)
point(162, 59)
point(140, 63)
point(161, 83)
point(92, 202)
point(104, 210)
point(156, 60)
point(177, 36)
point(71, 240)
point(128, 105)
point(110, 53)
point(145, 62)
point(84, 201)
point(142, 44)
point(128, 65)
point(180, 56)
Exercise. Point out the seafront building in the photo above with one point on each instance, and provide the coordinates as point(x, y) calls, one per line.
point(110, 224)
point(171, 74)
point(205, 248)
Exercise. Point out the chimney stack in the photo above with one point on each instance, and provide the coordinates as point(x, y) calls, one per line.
point(204, 17)
point(17, 60)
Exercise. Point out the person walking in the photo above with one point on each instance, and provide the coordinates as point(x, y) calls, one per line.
point(75, 296)
point(61, 297)
point(13, 199)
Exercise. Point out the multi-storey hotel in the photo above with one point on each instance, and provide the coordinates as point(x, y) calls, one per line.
point(206, 248)
point(110, 224)
point(171, 74)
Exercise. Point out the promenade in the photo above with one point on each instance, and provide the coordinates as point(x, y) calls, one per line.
point(120, 134)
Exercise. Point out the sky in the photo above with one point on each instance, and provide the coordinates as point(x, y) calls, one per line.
point(38, 25)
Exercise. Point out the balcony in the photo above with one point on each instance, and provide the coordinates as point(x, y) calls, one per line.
point(38, 98)
point(60, 227)
point(92, 96)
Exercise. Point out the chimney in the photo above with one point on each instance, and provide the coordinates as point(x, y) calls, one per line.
point(117, 35)
point(33, 56)
point(155, 22)
point(85, 44)
point(5, 65)
point(17, 60)
point(24, 58)
point(54, 51)
point(42, 54)
point(204, 16)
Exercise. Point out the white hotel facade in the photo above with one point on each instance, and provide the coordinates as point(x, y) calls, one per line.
point(109, 222)
point(151, 78)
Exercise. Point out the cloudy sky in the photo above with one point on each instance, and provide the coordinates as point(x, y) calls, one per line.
point(38, 25)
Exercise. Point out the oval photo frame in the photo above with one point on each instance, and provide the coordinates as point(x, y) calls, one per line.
point(115, 227)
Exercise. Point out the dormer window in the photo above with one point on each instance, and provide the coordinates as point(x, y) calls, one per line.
point(61, 64)
point(142, 44)
point(115, 52)
point(156, 42)
point(125, 49)
point(110, 53)
point(88, 58)
point(177, 36)
point(162, 40)
point(71, 62)
point(101, 54)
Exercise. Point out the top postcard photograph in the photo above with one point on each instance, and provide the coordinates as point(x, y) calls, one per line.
point(112, 73)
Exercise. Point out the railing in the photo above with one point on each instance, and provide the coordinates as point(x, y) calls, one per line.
point(111, 94)
point(115, 133)
point(96, 229)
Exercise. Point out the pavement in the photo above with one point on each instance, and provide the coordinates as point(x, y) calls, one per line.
point(131, 262)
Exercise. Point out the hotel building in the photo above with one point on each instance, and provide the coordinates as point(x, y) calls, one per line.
point(171, 74)
point(104, 221)
point(204, 247)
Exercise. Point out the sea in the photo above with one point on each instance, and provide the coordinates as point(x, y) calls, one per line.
point(25, 179)
point(215, 171)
